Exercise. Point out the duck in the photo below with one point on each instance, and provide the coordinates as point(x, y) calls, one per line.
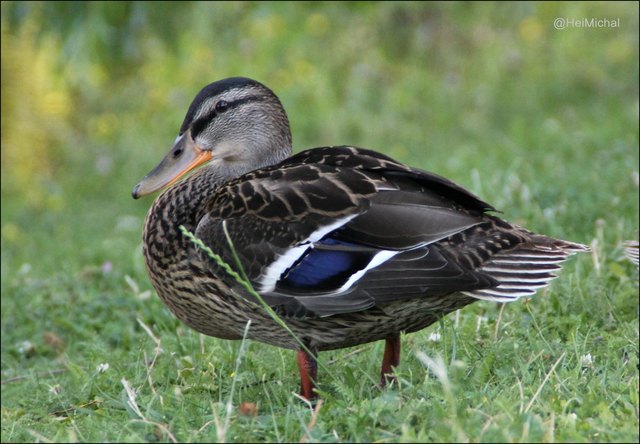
point(345, 245)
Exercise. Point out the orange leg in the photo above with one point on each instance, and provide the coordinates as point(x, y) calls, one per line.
point(391, 359)
point(308, 375)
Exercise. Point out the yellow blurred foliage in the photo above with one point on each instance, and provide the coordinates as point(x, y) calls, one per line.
point(317, 24)
point(303, 69)
point(619, 50)
point(35, 105)
point(103, 125)
point(267, 28)
point(11, 233)
point(531, 30)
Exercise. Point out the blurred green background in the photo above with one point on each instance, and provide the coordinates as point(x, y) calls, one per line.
point(93, 95)
point(540, 122)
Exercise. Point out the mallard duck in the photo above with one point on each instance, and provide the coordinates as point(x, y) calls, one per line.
point(345, 244)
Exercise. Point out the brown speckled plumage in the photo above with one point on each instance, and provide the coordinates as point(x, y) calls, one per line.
point(346, 244)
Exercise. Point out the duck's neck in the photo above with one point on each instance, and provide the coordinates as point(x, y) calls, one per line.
point(173, 267)
point(163, 243)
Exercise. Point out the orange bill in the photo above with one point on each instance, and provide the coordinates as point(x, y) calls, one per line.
point(183, 157)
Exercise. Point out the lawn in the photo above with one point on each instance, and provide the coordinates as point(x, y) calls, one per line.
point(541, 122)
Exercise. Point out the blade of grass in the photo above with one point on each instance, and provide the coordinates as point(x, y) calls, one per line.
point(546, 378)
point(222, 431)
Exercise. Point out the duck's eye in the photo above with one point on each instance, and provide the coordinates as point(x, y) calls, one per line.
point(221, 106)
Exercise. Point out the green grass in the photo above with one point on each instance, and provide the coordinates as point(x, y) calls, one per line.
point(541, 123)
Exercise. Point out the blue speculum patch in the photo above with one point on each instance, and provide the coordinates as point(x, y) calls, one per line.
point(325, 269)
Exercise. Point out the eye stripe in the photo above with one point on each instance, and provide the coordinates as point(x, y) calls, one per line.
point(201, 123)
point(198, 125)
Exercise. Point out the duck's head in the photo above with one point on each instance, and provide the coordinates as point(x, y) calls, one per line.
point(234, 126)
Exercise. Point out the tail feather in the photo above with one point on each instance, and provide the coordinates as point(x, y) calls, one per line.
point(631, 251)
point(526, 268)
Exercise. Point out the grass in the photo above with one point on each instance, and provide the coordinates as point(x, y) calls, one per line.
point(540, 123)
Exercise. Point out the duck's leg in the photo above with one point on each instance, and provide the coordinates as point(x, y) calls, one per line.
point(308, 374)
point(391, 359)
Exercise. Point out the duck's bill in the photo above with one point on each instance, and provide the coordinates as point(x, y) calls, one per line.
point(183, 157)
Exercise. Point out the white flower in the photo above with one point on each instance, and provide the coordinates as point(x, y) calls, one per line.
point(101, 368)
point(587, 361)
